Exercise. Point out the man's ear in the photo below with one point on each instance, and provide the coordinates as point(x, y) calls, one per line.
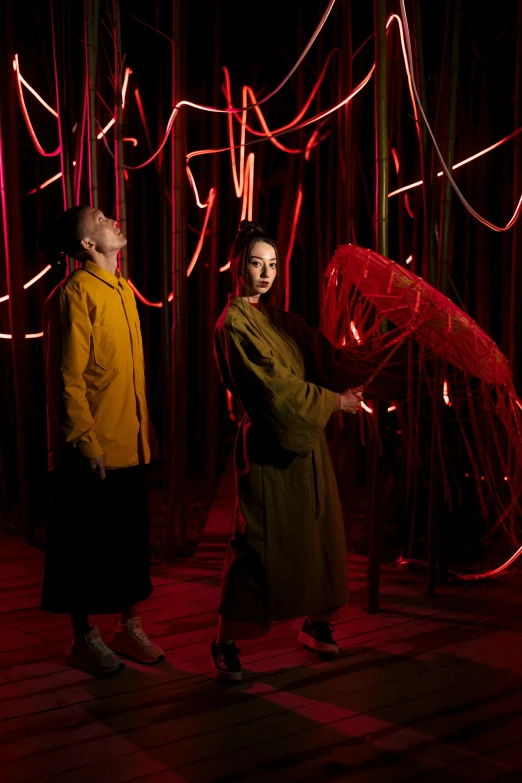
point(87, 244)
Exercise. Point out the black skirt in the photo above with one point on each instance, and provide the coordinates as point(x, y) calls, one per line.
point(97, 555)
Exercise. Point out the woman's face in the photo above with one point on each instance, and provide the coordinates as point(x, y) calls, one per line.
point(261, 270)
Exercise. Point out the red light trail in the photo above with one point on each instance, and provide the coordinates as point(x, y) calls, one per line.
point(447, 172)
point(26, 113)
point(243, 172)
point(297, 210)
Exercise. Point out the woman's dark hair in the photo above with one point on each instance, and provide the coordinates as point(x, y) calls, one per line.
point(61, 237)
point(247, 235)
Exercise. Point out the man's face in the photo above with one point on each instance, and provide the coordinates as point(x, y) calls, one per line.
point(102, 232)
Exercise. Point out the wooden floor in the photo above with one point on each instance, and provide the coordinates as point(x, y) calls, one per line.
point(426, 690)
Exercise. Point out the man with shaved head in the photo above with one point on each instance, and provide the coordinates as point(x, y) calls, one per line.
point(97, 559)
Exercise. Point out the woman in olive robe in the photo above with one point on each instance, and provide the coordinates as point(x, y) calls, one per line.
point(287, 557)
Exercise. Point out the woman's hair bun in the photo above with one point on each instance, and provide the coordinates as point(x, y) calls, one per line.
point(249, 227)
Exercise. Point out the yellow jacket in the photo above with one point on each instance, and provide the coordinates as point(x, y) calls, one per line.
point(94, 366)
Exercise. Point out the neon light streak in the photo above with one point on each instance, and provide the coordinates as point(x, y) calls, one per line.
point(409, 210)
point(355, 332)
point(297, 210)
point(248, 189)
point(33, 91)
point(211, 199)
point(409, 260)
point(107, 127)
point(346, 100)
point(445, 394)
point(460, 163)
point(493, 572)
point(170, 123)
point(224, 268)
point(146, 301)
point(268, 133)
point(405, 188)
point(141, 297)
point(29, 282)
point(302, 112)
point(26, 115)
point(305, 52)
point(250, 185)
point(230, 406)
point(128, 72)
point(195, 189)
point(447, 171)
point(37, 277)
point(392, 408)
point(132, 139)
point(396, 160)
point(78, 172)
point(27, 336)
point(397, 19)
point(44, 184)
point(142, 117)
point(238, 180)
point(311, 143)
point(366, 407)
point(392, 18)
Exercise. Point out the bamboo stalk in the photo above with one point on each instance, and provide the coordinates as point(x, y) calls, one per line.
point(435, 509)
point(165, 370)
point(121, 206)
point(60, 74)
point(375, 515)
point(176, 538)
point(92, 20)
point(211, 312)
point(447, 190)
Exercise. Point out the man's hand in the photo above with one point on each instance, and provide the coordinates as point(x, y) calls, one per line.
point(351, 400)
point(98, 466)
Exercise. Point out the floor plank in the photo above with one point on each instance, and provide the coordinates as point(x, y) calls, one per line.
point(426, 690)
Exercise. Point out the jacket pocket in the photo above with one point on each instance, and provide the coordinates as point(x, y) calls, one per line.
point(108, 343)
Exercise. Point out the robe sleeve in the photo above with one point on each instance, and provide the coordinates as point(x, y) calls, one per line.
point(294, 412)
point(352, 366)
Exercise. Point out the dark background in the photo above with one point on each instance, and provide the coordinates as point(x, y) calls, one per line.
point(259, 43)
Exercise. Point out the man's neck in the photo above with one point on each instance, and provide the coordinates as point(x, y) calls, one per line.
point(107, 261)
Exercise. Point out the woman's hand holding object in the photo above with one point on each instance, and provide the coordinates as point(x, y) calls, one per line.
point(351, 400)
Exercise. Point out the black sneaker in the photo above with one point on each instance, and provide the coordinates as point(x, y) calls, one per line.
point(225, 661)
point(317, 635)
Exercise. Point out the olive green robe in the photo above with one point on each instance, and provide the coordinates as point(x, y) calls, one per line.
point(288, 555)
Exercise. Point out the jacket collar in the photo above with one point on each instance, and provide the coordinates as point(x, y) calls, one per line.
point(107, 277)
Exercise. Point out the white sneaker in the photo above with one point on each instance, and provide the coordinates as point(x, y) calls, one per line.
point(131, 641)
point(91, 654)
